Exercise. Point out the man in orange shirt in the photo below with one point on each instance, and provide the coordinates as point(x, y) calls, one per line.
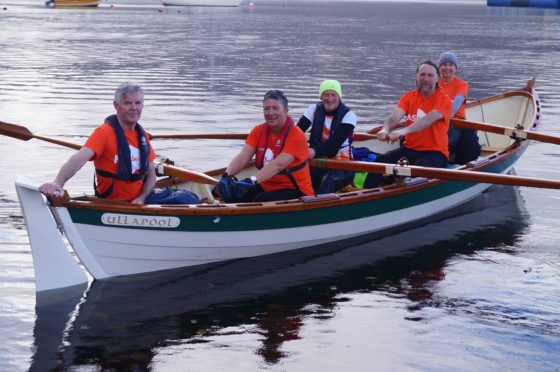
point(427, 111)
point(281, 152)
point(123, 157)
point(463, 142)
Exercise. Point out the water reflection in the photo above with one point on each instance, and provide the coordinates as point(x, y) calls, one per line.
point(123, 324)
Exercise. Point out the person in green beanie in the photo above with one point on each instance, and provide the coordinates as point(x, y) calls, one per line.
point(332, 127)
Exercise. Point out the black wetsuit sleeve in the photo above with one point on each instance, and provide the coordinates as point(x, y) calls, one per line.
point(303, 123)
point(330, 147)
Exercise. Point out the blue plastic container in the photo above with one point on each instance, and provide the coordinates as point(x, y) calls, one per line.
point(525, 3)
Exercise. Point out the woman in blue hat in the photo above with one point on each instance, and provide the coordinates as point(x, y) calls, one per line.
point(463, 142)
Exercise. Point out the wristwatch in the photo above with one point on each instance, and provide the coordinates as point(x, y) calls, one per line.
point(254, 180)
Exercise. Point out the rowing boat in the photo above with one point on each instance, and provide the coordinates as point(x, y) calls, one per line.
point(112, 239)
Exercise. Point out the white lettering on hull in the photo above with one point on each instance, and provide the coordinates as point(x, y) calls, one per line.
point(140, 221)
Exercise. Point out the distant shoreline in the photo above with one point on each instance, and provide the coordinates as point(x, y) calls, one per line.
point(40, 2)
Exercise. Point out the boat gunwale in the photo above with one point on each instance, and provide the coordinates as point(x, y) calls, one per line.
point(351, 197)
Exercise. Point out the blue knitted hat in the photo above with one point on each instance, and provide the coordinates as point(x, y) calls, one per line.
point(448, 57)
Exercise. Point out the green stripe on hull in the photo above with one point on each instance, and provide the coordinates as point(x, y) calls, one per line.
point(310, 217)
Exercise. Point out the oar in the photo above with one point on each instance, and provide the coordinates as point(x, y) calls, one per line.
point(186, 175)
point(22, 133)
point(441, 173)
point(234, 136)
point(510, 132)
point(375, 130)
point(237, 136)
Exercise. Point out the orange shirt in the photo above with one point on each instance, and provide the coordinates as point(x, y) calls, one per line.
point(433, 138)
point(295, 145)
point(103, 141)
point(454, 87)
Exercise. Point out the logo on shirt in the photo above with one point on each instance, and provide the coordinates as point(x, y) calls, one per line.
point(419, 114)
point(134, 158)
point(268, 156)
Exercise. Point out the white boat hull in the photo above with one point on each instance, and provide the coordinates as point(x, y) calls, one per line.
point(108, 251)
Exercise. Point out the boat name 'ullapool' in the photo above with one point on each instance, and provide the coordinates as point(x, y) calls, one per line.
point(140, 221)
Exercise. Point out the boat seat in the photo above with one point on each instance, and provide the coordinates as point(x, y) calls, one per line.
point(203, 191)
point(490, 149)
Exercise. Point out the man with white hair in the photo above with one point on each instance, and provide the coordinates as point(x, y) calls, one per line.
point(122, 156)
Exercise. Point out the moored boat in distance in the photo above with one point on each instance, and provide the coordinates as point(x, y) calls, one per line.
point(113, 239)
point(223, 3)
point(133, 2)
point(72, 3)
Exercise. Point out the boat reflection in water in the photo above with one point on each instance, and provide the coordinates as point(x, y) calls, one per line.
point(120, 324)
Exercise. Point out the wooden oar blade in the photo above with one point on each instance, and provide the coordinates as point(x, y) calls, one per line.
point(438, 173)
point(15, 131)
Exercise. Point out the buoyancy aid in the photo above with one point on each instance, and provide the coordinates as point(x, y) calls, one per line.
point(279, 146)
point(316, 136)
point(124, 170)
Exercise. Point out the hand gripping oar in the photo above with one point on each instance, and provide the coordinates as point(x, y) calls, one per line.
point(510, 132)
point(441, 173)
point(22, 133)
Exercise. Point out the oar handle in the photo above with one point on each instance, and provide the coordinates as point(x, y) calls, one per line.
point(186, 175)
point(364, 136)
point(375, 130)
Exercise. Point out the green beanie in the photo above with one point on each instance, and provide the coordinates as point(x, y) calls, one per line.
point(330, 85)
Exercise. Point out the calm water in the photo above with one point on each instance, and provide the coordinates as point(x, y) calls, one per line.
point(479, 290)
